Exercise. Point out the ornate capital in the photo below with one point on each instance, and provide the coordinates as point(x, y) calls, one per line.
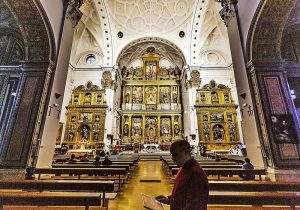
point(73, 12)
point(227, 12)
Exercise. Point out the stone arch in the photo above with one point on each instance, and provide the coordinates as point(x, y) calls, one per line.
point(171, 50)
point(24, 82)
point(265, 33)
point(35, 29)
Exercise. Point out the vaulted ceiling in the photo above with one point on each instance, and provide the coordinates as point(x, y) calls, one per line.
point(205, 41)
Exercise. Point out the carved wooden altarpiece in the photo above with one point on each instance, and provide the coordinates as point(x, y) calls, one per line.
point(86, 118)
point(151, 102)
point(216, 115)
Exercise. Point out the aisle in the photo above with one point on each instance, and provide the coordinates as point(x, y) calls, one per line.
point(130, 198)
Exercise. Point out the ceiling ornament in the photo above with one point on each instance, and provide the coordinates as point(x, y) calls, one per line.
point(163, 48)
point(73, 11)
point(227, 13)
point(147, 16)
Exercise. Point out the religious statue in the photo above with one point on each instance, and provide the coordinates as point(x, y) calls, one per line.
point(99, 98)
point(231, 132)
point(87, 98)
point(96, 136)
point(126, 130)
point(71, 136)
point(76, 99)
point(218, 132)
point(214, 97)
point(85, 132)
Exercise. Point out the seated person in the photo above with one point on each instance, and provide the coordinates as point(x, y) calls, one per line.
point(106, 161)
point(102, 153)
point(84, 158)
point(97, 160)
point(247, 166)
point(72, 159)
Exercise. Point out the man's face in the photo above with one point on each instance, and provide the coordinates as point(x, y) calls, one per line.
point(177, 157)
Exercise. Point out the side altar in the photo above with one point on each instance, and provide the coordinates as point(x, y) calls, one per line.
point(217, 117)
point(86, 118)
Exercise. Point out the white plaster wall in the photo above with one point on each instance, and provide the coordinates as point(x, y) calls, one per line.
point(246, 10)
point(54, 11)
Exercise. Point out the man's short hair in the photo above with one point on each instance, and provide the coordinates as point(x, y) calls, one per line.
point(247, 160)
point(180, 146)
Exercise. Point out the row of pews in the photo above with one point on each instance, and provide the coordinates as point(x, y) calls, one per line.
point(82, 184)
point(227, 188)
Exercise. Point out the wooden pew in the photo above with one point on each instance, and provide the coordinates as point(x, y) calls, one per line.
point(59, 185)
point(228, 172)
point(80, 171)
point(253, 186)
point(22, 198)
point(291, 199)
point(87, 165)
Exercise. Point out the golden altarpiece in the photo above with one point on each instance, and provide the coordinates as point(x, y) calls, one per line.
point(216, 115)
point(151, 103)
point(86, 118)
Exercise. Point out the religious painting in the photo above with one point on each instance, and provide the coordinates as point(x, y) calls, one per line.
point(164, 95)
point(151, 70)
point(136, 126)
point(175, 94)
point(165, 126)
point(177, 130)
point(283, 128)
point(151, 95)
point(137, 94)
point(151, 129)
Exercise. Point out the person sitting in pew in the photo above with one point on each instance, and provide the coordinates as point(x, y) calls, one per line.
point(106, 161)
point(84, 158)
point(247, 166)
point(97, 161)
point(72, 159)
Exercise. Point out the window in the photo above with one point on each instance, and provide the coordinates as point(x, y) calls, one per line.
point(90, 59)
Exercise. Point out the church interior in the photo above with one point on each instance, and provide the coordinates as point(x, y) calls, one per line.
point(83, 82)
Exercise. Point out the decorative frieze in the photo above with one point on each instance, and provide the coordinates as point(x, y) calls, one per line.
point(73, 12)
point(227, 12)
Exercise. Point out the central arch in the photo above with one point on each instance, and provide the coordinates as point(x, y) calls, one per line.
point(151, 93)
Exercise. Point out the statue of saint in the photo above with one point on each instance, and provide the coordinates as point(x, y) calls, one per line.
point(85, 133)
point(218, 132)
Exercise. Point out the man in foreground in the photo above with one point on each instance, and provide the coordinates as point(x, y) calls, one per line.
point(190, 190)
